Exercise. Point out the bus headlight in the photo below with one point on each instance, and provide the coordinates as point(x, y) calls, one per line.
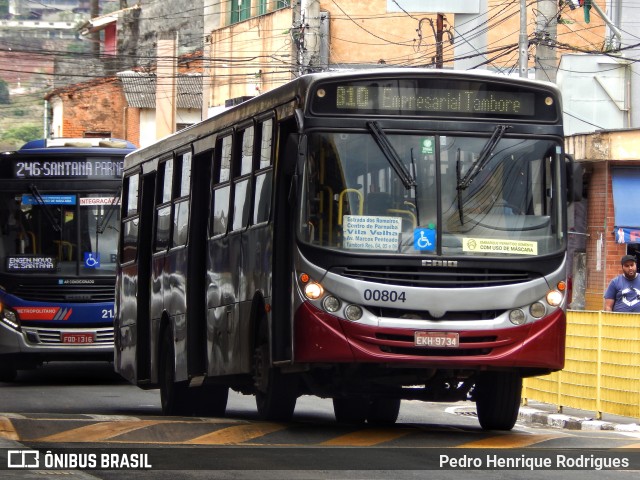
point(331, 304)
point(554, 298)
point(9, 317)
point(353, 313)
point(537, 310)
point(313, 290)
point(517, 317)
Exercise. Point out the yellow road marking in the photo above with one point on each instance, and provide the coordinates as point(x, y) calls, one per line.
point(99, 431)
point(363, 438)
point(633, 445)
point(7, 431)
point(236, 434)
point(508, 441)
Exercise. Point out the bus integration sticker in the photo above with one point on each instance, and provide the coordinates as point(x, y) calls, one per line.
point(497, 245)
point(371, 232)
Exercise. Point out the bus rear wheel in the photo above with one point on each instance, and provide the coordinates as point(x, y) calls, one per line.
point(498, 396)
point(174, 396)
point(276, 395)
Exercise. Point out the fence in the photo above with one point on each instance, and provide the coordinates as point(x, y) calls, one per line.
point(602, 367)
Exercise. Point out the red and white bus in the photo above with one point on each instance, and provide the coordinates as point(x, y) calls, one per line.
point(366, 236)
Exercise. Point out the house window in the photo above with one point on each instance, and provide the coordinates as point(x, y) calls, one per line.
point(240, 10)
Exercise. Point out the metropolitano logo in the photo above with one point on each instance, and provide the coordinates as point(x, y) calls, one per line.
point(23, 459)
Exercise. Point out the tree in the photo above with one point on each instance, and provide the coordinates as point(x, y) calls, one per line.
point(18, 136)
point(5, 98)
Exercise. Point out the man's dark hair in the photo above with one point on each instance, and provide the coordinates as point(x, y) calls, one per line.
point(627, 258)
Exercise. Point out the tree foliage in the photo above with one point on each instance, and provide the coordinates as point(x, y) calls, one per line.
point(5, 98)
point(15, 137)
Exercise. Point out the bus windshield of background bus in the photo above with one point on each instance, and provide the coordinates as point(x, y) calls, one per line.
point(354, 200)
point(59, 233)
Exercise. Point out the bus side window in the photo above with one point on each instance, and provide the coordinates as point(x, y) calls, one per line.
point(129, 240)
point(264, 175)
point(242, 181)
point(163, 205)
point(221, 188)
point(181, 207)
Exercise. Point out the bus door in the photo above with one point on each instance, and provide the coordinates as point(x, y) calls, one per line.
point(143, 317)
point(132, 332)
point(197, 268)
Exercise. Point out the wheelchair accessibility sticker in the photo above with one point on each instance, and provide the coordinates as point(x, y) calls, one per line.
point(424, 239)
point(91, 260)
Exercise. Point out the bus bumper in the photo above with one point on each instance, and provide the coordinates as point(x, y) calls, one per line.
point(323, 338)
point(31, 346)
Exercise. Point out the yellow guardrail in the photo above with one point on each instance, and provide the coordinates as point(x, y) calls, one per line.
point(602, 366)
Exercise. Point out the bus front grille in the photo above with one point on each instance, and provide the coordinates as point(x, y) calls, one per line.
point(75, 293)
point(435, 277)
point(470, 346)
point(53, 336)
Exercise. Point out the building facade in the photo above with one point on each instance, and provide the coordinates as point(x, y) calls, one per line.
point(252, 46)
point(611, 224)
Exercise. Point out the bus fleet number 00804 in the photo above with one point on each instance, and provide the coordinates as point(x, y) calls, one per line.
point(384, 296)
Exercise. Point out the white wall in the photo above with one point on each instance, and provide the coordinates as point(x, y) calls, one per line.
point(148, 123)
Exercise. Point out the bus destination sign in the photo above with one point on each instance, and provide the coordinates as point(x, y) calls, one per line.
point(430, 100)
point(30, 263)
point(84, 168)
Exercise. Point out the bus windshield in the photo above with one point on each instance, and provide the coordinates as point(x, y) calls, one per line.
point(66, 233)
point(450, 195)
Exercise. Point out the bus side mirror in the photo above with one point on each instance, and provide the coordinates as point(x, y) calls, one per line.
point(575, 174)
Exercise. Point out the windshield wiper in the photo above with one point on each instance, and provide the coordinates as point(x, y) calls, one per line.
point(105, 219)
point(458, 173)
point(392, 156)
point(45, 208)
point(483, 158)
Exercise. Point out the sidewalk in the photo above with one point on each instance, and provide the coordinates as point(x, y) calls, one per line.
point(536, 413)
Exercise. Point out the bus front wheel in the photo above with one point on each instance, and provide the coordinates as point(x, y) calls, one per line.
point(276, 395)
point(498, 396)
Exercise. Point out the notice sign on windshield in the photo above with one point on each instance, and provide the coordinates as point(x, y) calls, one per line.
point(497, 245)
point(49, 199)
point(371, 232)
point(30, 263)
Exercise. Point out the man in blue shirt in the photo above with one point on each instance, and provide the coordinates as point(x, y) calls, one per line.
point(623, 293)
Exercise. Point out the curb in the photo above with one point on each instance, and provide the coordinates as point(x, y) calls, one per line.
point(559, 420)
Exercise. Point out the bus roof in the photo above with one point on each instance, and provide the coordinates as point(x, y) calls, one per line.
point(295, 91)
point(46, 146)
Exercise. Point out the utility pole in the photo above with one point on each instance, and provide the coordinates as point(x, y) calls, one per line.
point(439, 28)
point(546, 36)
point(94, 11)
point(523, 42)
point(310, 35)
point(166, 83)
